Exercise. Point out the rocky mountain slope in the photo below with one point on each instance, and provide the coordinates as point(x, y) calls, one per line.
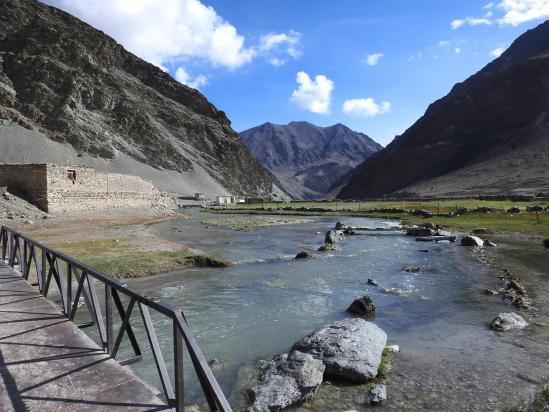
point(489, 135)
point(308, 160)
point(64, 82)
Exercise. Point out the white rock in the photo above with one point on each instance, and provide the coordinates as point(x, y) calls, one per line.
point(393, 348)
point(377, 394)
point(507, 321)
point(285, 380)
point(350, 348)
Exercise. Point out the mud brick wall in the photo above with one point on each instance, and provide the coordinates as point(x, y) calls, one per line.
point(75, 188)
point(26, 181)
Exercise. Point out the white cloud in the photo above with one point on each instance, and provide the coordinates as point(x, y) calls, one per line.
point(313, 95)
point(514, 12)
point(457, 50)
point(365, 107)
point(443, 43)
point(169, 32)
point(471, 21)
point(278, 46)
point(521, 11)
point(497, 52)
point(276, 62)
point(182, 76)
point(373, 59)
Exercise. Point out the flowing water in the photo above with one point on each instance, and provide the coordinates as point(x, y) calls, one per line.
point(449, 360)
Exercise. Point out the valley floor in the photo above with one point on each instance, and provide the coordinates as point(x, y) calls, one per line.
point(490, 214)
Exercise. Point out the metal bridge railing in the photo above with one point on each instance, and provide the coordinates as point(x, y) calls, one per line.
point(20, 250)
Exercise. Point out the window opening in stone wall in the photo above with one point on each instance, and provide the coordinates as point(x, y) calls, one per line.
point(72, 175)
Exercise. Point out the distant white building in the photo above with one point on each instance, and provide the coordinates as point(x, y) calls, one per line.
point(224, 200)
point(229, 200)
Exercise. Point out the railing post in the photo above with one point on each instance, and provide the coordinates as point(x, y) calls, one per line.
point(157, 353)
point(43, 272)
point(178, 349)
point(11, 246)
point(24, 263)
point(68, 292)
point(3, 239)
point(108, 318)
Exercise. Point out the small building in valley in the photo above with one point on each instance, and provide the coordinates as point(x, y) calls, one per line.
point(64, 188)
point(224, 200)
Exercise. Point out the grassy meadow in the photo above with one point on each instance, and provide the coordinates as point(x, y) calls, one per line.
point(499, 220)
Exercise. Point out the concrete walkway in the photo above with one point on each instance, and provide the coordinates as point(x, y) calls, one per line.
point(48, 364)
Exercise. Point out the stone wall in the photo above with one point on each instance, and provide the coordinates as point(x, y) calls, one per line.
point(27, 181)
point(74, 188)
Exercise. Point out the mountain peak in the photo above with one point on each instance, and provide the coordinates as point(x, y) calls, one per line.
point(308, 159)
point(484, 137)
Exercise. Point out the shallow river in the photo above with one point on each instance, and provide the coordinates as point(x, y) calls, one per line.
point(449, 360)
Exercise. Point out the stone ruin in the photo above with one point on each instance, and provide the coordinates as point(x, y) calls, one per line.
point(64, 188)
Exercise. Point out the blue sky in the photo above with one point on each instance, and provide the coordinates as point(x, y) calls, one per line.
point(245, 56)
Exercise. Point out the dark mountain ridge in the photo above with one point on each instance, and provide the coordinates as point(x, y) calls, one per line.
point(307, 159)
point(464, 142)
point(76, 85)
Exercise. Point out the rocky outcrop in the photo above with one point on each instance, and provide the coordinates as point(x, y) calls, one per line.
point(285, 380)
point(333, 236)
point(507, 321)
point(308, 160)
point(77, 86)
point(472, 241)
point(363, 306)
point(377, 394)
point(303, 255)
point(421, 232)
point(487, 136)
point(350, 348)
point(326, 247)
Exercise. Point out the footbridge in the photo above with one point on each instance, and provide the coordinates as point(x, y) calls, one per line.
point(48, 363)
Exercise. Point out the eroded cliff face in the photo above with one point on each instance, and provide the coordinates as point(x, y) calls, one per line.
point(70, 81)
point(489, 135)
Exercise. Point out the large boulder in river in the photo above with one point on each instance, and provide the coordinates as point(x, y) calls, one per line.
point(350, 348)
point(507, 321)
point(472, 241)
point(421, 231)
point(362, 306)
point(340, 226)
point(326, 247)
point(303, 255)
point(285, 380)
point(333, 236)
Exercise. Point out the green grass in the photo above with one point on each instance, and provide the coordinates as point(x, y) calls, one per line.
point(123, 260)
point(385, 365)
point(433, 205)
point(524, 222)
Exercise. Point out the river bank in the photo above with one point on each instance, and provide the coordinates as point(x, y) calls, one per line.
point(118, 242)
point(518, 219)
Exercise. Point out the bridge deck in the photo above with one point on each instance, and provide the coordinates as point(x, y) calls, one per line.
point(48, 364)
